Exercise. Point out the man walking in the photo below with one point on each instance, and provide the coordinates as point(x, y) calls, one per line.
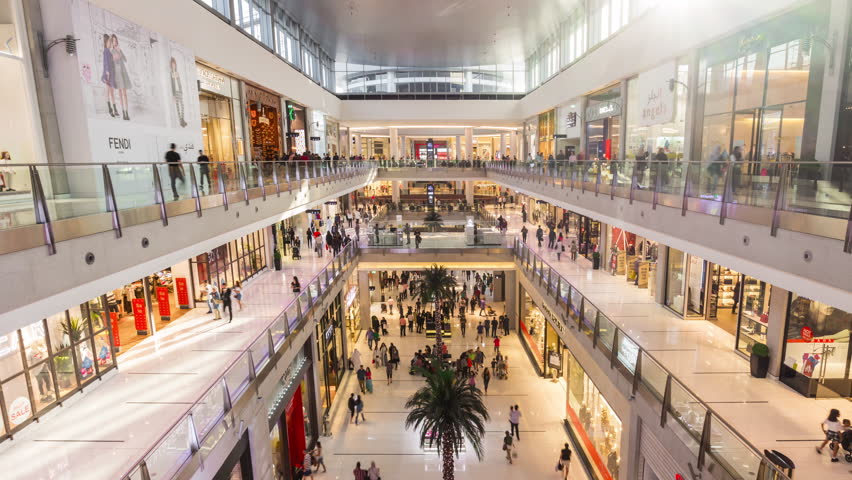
point(175, 168)
point(515, 421)
point(539, 235)
point(402, 324)
point(204, 169)
point(463, 325)
point(524, 233)
point(362, 378)
point(226, 301)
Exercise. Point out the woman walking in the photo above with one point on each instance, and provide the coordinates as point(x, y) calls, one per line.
point(507, 446)
point(369, 380)
point(486, 378)
point(318, 457)
point(238, 294)
point(564, 461)
point(389, 370)
point(373, 473)
point(831, 428)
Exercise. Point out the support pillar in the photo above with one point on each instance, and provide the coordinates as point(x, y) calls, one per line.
point(832, 85)
point(458, 147)
point(502, 145)
point(775, 328)
point(358, 144)
point(513, 144)
point(394, 143)
point(364, 298)
point(403, 146)
point(395, 191)
point(468, 191)
point(468, 147)
point(512, 298)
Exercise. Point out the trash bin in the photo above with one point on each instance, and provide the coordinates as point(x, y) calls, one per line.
point(781, 461)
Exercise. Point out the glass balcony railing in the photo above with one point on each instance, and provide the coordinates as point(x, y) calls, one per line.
point(201, 427)
point(700, 429)
point(778, 191)
point(105, 192)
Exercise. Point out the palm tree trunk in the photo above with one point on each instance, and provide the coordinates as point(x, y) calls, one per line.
point(448, 456)
point(439, 331)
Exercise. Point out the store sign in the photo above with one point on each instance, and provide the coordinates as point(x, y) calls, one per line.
point(656, 99)
point(316, 139)
point(213, 81)
point(182, 292)
point(611, 108)
point(116, 337)
point(554, 359)
point(20, 410)
point(430, 194)
point(254, 94)
point(807, 334)
point(163, 306)
point(644, 270)
point(140, 317)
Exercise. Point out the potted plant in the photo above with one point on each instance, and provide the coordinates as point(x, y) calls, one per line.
point(276, 259)
point(596, 260)
point(759, 360)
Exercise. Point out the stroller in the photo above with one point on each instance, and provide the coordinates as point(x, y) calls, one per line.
point(296, 254)
point(846, 444)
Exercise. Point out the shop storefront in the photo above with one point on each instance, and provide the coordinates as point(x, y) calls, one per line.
point(297, 128)
point(603, 124)
point(317, 143)
point(736, 303)
point(816, 349)
point(546, 130)
point(332, 137)
point(593, 424)
point(635, 258)
point(237, 465)
point(656, 116)
point(541, 340)
point(375, 147)
point(221, 130)
point(292, 416)
point(754, 104)
point(352, 311)
point(530, 138)
point(330, 359)
point(236, 261)
point(568, 129)
point(264, 117)
point(45, 362)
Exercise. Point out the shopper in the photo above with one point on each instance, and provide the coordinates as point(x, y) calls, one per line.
point(204, 170)
point(515, 421)
point(226, 301)
point(486, 379)
point(360, 473)
point(573, 250)
point(359, 409)
point(463, 325)
point(318, 460)
point(238, 294)
point(175, 168)
point(361, 374)
point(369, 380)
point(373, 472)
point(831, 428)
point(307, 470)
point(351, 405)
point(295, 285)
point(508, 446)
point(389, 370)
point(394, 355)
point(210, 289)
point(524, 233)
point(494, 326)
point(539, 235)
point(402, 324)
point(564, 461)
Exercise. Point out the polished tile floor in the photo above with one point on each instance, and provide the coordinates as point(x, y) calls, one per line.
point(382, 438)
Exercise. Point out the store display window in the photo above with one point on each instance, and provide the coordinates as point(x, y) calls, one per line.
point(816, 353)
point(48, 360)
point(754, 313)
point(330, 348)
point(652, 142)
point(593, 422)
point(236, 261)
point(675, 276)
point(533, 331)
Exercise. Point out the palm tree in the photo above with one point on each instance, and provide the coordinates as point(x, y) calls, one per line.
point(433, 220)
point(448, 410)
point(436, 285)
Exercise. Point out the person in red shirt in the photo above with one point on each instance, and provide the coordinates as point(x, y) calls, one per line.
point(360, 474)
point(496, 344)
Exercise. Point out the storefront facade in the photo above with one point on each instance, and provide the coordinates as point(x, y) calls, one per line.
point(568, 128)
point(332, 137)
point(221, 128)
point(331, 351)
point(352, 312)
point(656, 115)
point(635, 258)
point(541, 340)
point(292, 416)
point(47, 361)
point(603, 124)
point(546, 130)
point(593, 424)
point(297, 128)
point(236, 261)
point(264, 116)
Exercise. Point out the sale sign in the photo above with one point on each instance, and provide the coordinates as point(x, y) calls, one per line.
point(140, 317)
point(116, 338)
point(182, 292)
point(807, 334)
point(163, 306)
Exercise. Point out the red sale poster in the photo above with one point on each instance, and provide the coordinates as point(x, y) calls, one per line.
point(140, 317)
point(182, 292)
point(163, 306)
point(116, 338)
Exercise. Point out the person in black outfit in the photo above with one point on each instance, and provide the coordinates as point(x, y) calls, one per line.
point(463, 324)
point(225, 295)
point(493, 327)
point(204, 169)
point(175, 168)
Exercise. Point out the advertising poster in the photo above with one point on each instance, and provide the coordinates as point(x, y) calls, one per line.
point(139, 89)
point(182, 292)
point(644, 270)
point(116, 337)
point(163, 307)
point(140, 317)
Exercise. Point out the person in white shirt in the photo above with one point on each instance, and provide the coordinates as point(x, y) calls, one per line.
point(307, 471)
point(373, 472)
point(831, 428)
point(514, 421)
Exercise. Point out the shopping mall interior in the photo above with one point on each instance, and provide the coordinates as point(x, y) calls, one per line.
point(306, 240)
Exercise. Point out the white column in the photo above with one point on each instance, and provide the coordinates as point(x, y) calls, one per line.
point(458, 147)
point(832, 82)
point(403, 148)
point(468, 191)
point(358, 144)
point(513, 143)
point(364, 297)
point(775, 329)
point(502, 144)
point(395, 191)
point(468, 147)
point(394, 143)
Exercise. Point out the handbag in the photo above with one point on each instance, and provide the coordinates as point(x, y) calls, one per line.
point(560, 467)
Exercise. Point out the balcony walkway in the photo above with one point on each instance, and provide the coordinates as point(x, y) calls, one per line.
point(101, 433)
point(701, 355)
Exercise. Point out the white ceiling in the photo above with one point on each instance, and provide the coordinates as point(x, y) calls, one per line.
point(429, 33)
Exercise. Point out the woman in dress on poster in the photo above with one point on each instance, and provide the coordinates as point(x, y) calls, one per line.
point(122, 78)
point(108, 77)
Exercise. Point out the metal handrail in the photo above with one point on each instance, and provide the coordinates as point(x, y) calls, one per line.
point(346, 255)
point(619, 334)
